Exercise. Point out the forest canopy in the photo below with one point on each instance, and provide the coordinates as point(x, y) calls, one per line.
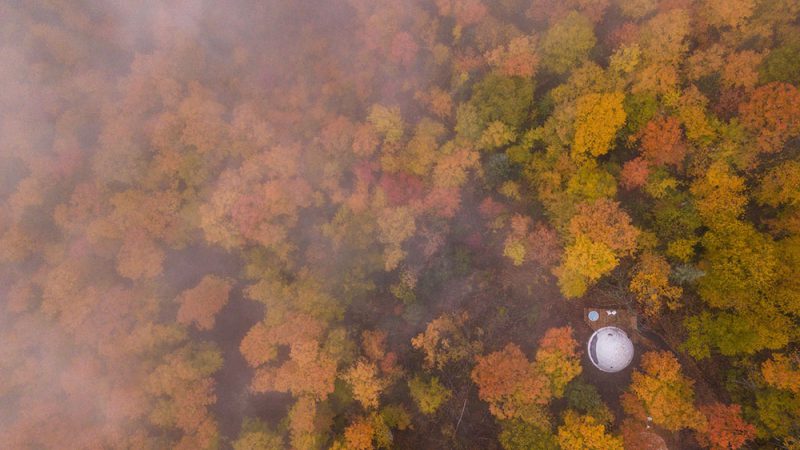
point(351, 224)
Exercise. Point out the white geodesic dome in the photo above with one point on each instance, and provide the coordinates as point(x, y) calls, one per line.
point(610, 349)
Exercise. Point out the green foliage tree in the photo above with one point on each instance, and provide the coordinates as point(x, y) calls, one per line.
point(567, 43)
point(255, 435)
point(428, 395)
point(501, 98)
point(520, 435)
point(782, 64)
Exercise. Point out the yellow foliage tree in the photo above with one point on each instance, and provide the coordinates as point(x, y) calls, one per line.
point(719, 195)
point(585, 261)
point(363, 379)
point(585, 433)
point(662, 392)
point(650, 284)
point(597, 119)
point(395, 225)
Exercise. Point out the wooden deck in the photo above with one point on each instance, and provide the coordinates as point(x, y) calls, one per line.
point(622, 319)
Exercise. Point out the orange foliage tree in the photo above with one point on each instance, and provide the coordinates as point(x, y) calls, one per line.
point(783, 372)
point(200, 304)
point(773, 115)
point(512, 385)
point(725, 427)
point(634, 173)
point(139, 258)
point(662, 142)
point(258, 202)
point(517, 388)
point(518, 58)
point(359, 434)
point(604, 221)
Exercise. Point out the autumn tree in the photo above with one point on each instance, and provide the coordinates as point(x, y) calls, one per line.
point(514, 247)
point(725, 427)
point(183, 385)
point(601, 233)
point(778, 402)
point(445, 341)
point(395, 225)
point(201, 303)
point(502, 98)
point(465, 12)
point(428, 395)
point(520, 435)
point(591, 182)
point(518, 58)
point(663, 40)
point(605, 221)
point(585, 433)
point(780, 185)
point(719, 195)
point(651, 285)
point(733, 333)
point(365, 383)
point(634, 173)
point(663, 393)
point(387, 122)
point(597, 119)
point(740, 265)
point(259, 202)
point(512, 385)
point(359, 435)
point(438, 101)
point(782, 371)
point(584, 398)
point(140, 258)
point(584, 263)
point(557, 358)
point(728, 14)
point(781, 64)
point(662, 142)
point(255, 435)
point(773, 115)
point(636, 9)
point(567, 43)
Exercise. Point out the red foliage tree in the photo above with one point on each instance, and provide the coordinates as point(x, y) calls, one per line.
point(544, 246)
point(400, 188)
point(403, 49)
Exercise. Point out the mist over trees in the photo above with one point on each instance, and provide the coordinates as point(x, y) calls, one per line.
point(351, 224)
